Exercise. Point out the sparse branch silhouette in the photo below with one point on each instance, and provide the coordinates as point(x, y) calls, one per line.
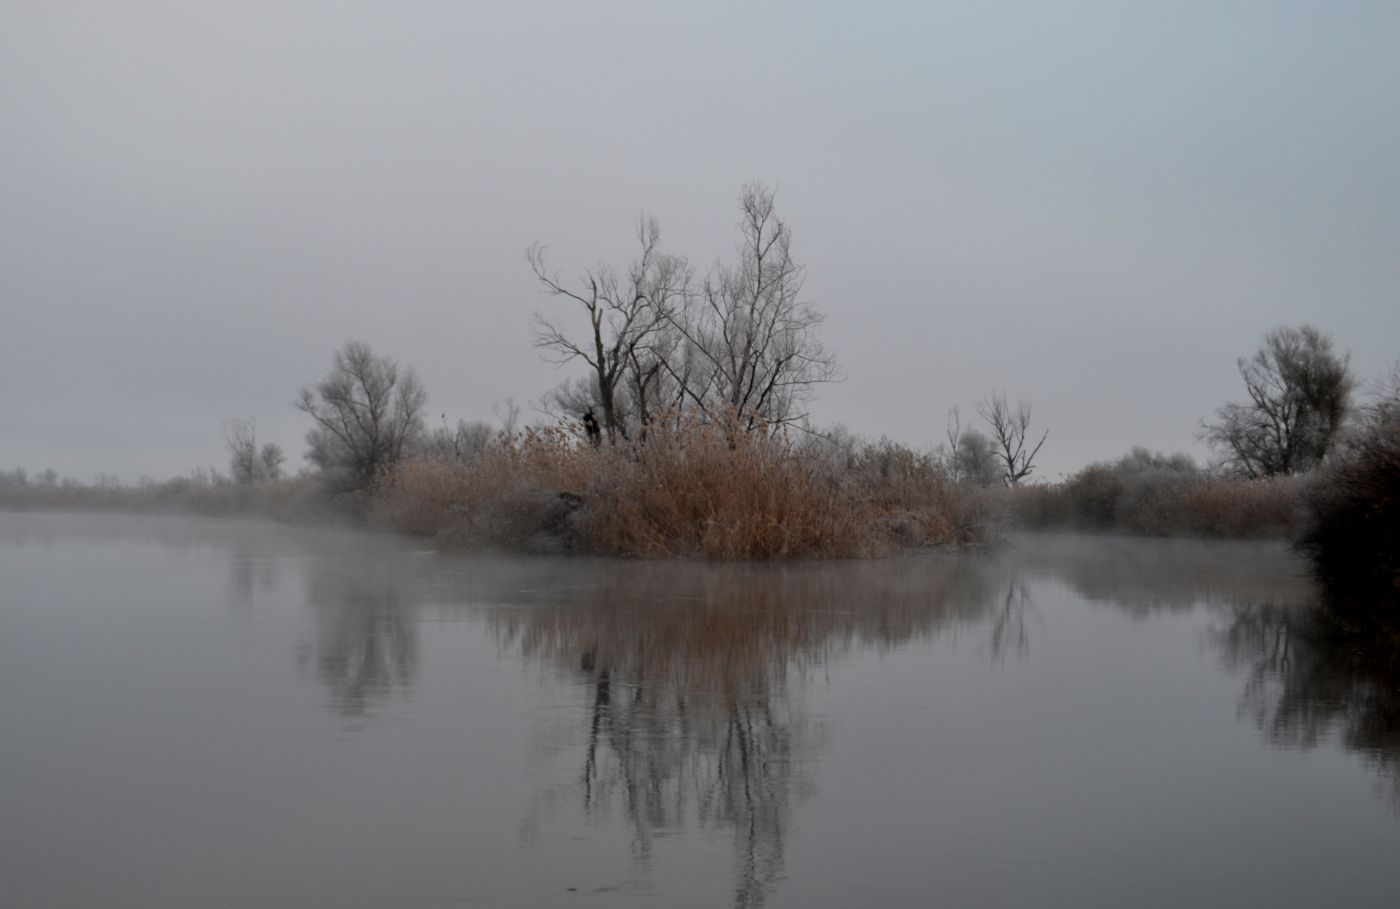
point(1010, 430)
point(741, 341)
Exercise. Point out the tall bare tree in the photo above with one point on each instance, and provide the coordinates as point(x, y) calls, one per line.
point(742, 342)
point(460, 443)
point(1010, 431)
point(1299, 394)
point(626, 314)
point(248, 463)
point(368, 413)
point(752, 342)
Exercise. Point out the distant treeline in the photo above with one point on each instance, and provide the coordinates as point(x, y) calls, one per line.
point(204, 492)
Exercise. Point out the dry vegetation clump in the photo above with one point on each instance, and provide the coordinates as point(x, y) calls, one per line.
point(424, 498)
point(913, 501)
point(514, 489)
point(713, 490)
point(685, 488)
point(1157, 495)
point(1264, 508)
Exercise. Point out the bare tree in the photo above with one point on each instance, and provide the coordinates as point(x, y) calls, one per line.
point(975, 460)
point(270, 460)
point(1010, 430)
point(969, 455)
point(626, 314)
point(241, 442)
point(460, 443)
point(1299, 395)
point(368, 413)
point(751, 341)
point(247, 463)
point(508, 414)
point(743, 343)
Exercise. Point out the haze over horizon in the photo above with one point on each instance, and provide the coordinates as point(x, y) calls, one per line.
point(1094, 210)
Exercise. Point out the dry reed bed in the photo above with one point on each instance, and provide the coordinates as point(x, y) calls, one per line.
point(688, 489)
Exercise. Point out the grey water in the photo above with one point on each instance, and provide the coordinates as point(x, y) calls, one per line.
point(221, 713)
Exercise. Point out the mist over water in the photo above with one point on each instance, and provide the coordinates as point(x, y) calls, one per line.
point(239, 713)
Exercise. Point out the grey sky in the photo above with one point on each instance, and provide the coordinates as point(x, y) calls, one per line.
point(1097, 207)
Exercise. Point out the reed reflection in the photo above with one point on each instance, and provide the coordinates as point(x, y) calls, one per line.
point(695, 676)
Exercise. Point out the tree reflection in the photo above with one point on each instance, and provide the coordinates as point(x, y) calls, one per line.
point(366, 643)
point(692, 720)
point(1008, 620)
point(252, 571)
point(1309, 679)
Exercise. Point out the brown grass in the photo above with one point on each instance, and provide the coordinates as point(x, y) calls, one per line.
point(689, 489)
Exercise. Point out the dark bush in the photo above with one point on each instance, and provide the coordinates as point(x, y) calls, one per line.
point(1093, 495)
point(1353, 517)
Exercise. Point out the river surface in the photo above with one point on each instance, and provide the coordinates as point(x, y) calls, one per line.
point(220, 713)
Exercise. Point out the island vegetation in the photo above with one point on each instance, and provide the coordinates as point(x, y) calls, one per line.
point(685, 432)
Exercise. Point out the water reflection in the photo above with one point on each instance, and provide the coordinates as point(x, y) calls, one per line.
point(692, 720)
point(689, 683)
point(1008, 620)
point(1310, 680)
point(1146, 576)
point(366, 630)
point(252, 572)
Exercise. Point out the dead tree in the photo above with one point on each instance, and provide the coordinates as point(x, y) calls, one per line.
point(625, 313)
point(749, 332)
point(1010, 429)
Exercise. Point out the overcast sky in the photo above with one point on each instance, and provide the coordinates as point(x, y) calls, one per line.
point(1095, 207)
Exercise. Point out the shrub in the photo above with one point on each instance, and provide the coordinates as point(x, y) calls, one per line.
point(1353, 517)
point(1157, 495)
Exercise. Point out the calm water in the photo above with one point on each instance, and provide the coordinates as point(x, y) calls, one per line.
point(201, 713)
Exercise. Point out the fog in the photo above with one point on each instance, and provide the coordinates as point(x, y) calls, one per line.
point(1097, 210)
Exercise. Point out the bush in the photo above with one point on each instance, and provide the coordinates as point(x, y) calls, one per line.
point(1353, 517)
point(1157, 495)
